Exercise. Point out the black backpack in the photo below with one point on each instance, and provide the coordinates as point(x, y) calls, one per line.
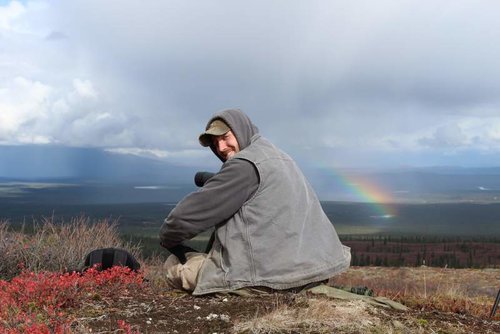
point(106, 258)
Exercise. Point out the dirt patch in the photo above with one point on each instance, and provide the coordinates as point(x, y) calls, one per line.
point(172, 312)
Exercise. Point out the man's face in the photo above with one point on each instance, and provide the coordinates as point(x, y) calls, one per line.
point(226, 145)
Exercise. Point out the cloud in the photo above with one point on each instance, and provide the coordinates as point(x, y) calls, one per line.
point(84, 88)
point(188, 157)
point(325, 80)
point(446, 136)
point(12, 11)
point(32, 112)
point(56, 35)
point(20, 103)
point(481, 134)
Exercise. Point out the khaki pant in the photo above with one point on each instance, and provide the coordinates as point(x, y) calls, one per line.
point(184, 276)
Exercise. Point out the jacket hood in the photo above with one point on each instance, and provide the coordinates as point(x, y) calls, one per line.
point(241, 125)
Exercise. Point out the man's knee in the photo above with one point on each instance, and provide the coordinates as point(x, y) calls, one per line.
point(184, 276)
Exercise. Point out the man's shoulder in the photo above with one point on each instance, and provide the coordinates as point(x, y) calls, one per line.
point(239, 161)
point(258, 144)
point(262, 148)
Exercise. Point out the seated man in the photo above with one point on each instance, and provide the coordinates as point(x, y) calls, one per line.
point(270, 229)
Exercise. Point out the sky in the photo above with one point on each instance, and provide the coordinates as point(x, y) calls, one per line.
point(335, 84)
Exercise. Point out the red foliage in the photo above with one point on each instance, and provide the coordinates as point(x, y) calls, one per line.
point(126, 327)
point(41, 303)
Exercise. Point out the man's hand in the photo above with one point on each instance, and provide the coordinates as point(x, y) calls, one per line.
point(180, 252)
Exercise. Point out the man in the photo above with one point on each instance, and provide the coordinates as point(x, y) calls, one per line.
point(270, 229)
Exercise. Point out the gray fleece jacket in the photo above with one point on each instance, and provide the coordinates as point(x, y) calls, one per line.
point(270, 228)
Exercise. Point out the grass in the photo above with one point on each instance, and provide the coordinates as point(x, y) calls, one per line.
point(429, 292)
point(462, 291)
point(56, 245)
point(311, 315)
point(40, 286)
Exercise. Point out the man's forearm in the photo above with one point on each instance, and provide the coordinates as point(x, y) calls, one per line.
point(220, 198)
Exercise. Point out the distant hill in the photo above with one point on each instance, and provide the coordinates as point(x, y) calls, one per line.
point(428, 183)
point(57, 163)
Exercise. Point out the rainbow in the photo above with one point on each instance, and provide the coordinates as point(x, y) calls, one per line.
point(366, 190)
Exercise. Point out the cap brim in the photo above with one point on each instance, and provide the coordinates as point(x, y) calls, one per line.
point(205, 139)
point(216, 128)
